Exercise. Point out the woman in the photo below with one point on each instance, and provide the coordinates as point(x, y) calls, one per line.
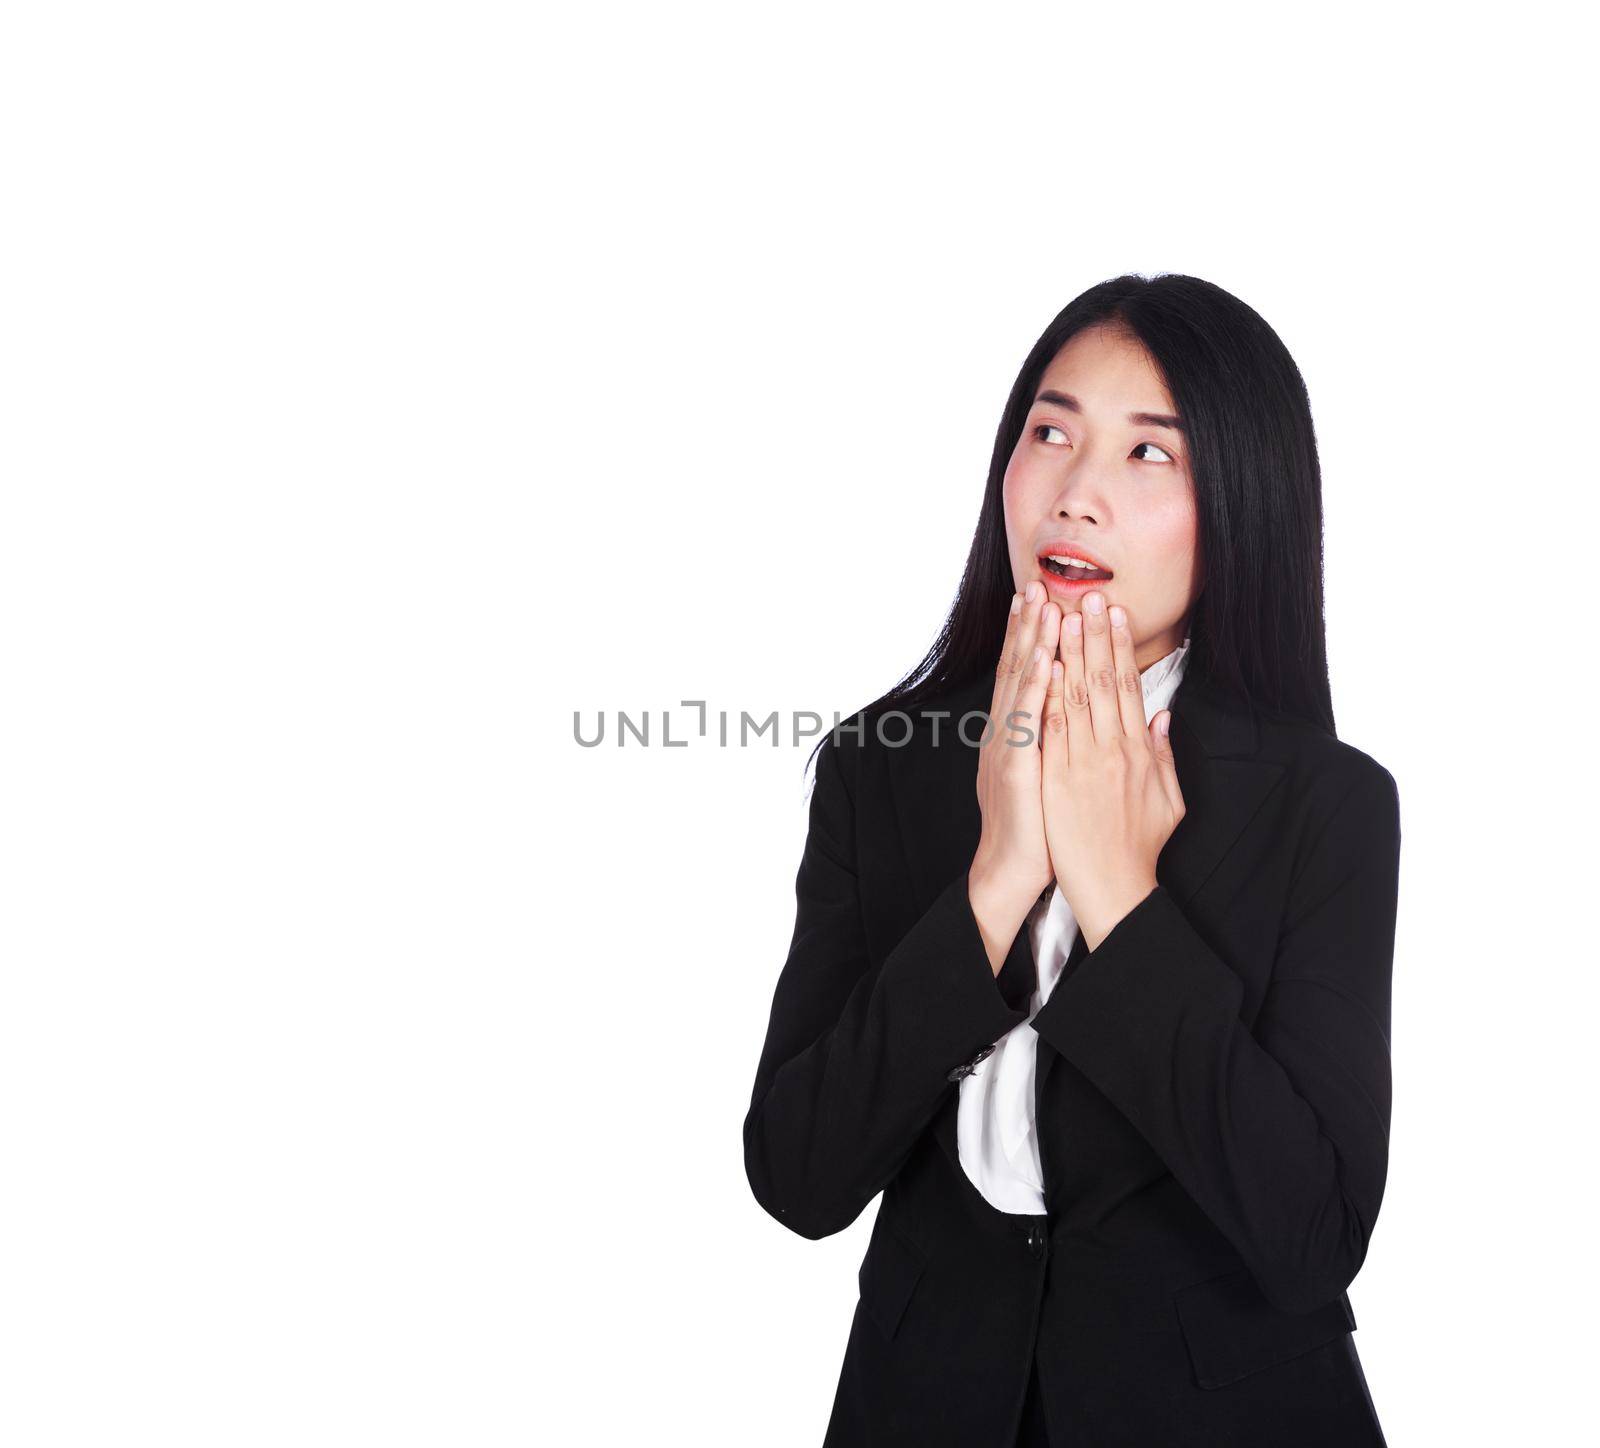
point(1103, 1009)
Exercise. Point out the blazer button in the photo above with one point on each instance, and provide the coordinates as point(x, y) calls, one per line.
point(955, 1073)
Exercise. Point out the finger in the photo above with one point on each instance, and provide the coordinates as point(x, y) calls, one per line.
point(1125, 667)
point(1074, 694)
point(1057, 748)
point(1006, 645)
point(1031, 692)
point(1018, 656)
point(1099, 674)
point(1166, 762)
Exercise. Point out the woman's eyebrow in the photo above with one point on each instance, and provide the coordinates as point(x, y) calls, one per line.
point(1138, 419)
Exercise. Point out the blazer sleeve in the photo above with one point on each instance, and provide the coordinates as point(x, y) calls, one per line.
point(858, 1052)
point(1280, 1135)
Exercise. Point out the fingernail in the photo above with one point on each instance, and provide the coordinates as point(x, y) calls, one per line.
point(1118, 617)
point(1073, 623)
point(1038, 654)
point(1096, 602)
point(1016, 603)
point(1033, 590)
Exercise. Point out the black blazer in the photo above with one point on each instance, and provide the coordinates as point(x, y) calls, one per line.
point(1213, 1096)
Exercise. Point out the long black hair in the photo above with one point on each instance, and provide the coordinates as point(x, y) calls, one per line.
point(1257, 624)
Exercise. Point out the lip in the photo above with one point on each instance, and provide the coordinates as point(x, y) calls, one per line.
point(1070, 549)
point(1071, 587)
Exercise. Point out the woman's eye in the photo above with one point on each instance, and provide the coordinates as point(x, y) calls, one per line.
point(1040, 429)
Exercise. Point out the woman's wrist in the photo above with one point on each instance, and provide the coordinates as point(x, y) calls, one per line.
point(998, 907)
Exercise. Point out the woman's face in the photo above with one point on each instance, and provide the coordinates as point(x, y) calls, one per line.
point(1092, 478)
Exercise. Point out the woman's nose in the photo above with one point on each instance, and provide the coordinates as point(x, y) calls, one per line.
point(1081, 494)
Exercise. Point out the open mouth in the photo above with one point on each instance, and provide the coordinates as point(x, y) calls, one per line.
point(1073, 569)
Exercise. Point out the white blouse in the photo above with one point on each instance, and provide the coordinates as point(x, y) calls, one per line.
point(994, 1121)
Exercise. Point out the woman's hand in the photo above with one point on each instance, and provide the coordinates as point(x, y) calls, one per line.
point(1012, 864)
point(1110, 790)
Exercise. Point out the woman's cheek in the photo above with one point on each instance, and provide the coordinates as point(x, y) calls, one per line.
point(1174, 534)
point(1018, 531)
point(1176, 544)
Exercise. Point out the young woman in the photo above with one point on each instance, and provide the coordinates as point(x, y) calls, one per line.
point(1090, 974)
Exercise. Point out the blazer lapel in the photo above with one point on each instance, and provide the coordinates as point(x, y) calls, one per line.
point(934, 789)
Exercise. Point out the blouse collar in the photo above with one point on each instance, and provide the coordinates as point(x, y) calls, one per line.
point(1164, 676)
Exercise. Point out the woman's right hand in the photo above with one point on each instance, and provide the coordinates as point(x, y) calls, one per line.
point(1011, 867)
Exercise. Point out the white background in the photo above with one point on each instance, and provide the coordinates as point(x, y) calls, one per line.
point(383, 384)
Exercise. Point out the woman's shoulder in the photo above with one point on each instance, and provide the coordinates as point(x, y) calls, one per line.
point(1294, 738)
point(947, 717)
point(1324, 770)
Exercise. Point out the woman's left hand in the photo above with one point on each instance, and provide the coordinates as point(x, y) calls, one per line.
point(1111, 796)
